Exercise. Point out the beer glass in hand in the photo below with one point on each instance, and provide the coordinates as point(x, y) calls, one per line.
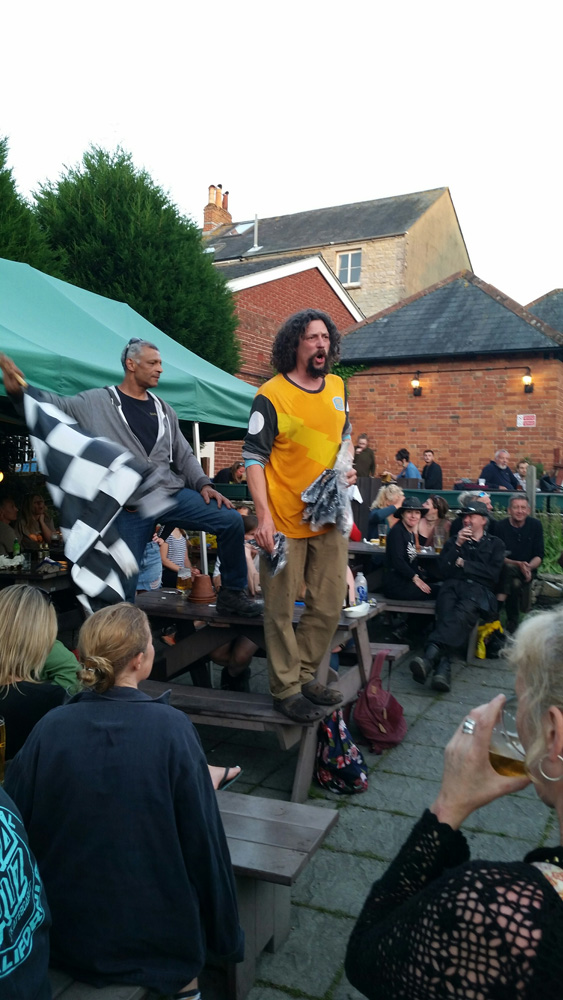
point(506, 752)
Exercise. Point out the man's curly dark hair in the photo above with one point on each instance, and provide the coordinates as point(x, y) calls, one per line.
point(284, 350)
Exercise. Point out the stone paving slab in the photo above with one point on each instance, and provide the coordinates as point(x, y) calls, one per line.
point(410, 760)
point(497, 848)
point(376, 833)
point(513, 816)
point(344, 991)
point(397, 792)
point(339, 883)
point(313, 955)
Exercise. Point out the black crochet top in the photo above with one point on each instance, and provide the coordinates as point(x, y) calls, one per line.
point(440, 927)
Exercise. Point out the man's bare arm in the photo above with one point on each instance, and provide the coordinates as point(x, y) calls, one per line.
point(264, 533)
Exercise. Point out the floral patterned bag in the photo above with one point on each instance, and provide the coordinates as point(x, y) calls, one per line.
point(340, 767)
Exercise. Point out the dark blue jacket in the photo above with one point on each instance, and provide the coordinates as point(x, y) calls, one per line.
point(122, 817)
point(494, 477)
point(24, 914)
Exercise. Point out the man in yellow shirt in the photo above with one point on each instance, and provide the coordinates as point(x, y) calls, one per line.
point(297, 423)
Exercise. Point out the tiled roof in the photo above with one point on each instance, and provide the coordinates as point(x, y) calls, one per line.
point(361, 220)
point(460, 315)
point(549, 308)
point(253, 265)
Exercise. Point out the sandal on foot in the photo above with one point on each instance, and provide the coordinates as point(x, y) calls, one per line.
point(321, 695)
point(299, 709)
point(226, 781)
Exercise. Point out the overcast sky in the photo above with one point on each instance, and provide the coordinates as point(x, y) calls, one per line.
point(305, 104)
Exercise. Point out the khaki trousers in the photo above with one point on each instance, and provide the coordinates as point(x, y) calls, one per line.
point(294, 655)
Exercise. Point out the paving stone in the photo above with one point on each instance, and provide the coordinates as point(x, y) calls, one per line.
point(282, 777)
point(397, 792)
point(494, 848)
point(313, 954)
point(429, 733)
point(514, 816)
point(338, 882)
point(271, 793)
point(344, 991)
point(377, 833)
point(409, 759)
point(260, 993)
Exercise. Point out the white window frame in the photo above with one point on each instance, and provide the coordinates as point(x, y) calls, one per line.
point(348, 253)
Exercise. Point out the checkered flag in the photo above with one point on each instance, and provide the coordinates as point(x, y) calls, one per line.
point(89, 479)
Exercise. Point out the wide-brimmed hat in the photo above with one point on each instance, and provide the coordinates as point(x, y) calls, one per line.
point(409, 503)
point(476, 507)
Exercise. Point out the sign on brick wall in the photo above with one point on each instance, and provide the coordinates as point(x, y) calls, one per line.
point(526, 420)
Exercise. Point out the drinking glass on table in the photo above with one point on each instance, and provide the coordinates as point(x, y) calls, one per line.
point(506, 752)
point(2, 748)
point(184, 581)
point(382, 532)
point(439, 538)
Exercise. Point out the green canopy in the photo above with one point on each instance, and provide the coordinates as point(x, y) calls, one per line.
point(66, 339)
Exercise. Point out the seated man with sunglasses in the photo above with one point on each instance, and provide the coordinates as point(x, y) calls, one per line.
point(132, 416)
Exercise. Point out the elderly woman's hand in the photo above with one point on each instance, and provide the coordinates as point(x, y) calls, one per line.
point(469, 781)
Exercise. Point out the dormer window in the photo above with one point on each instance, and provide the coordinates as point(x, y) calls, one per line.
point(349, 267)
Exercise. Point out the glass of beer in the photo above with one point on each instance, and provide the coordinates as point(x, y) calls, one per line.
point(184, 581)
point(506, 753)
point(438, 538)
point(382, 532)
point(2, 748)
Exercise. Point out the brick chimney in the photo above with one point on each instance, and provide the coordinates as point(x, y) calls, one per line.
point(216, 212)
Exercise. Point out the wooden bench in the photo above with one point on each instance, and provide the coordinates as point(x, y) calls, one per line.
point(270, 843)
point(424, 608)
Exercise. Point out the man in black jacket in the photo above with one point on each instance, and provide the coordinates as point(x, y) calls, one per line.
point(431, 472)
point(470, 564)
point(523, 539)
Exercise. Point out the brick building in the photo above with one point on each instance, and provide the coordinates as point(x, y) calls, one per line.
point(470, 347)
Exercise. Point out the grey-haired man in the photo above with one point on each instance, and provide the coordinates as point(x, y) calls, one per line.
point(131, 415)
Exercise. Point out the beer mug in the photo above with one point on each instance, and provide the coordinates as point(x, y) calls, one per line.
point(382, 532)
point(184, 581)
point(506, 753)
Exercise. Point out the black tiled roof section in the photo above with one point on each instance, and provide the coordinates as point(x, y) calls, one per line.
point(549, 308)
point(461, 315)
point(253, 265)
point(361, 220)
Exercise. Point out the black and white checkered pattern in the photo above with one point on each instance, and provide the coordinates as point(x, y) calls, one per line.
point(89, 479)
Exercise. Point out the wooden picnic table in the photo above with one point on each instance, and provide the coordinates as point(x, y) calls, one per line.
point(247, 710)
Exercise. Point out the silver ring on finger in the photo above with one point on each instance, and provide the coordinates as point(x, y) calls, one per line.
point(468, 726)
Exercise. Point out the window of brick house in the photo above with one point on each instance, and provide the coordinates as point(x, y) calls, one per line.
point(349, 267)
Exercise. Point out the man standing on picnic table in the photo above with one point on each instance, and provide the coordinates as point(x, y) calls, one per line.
point(297, 424)
point(130, 415)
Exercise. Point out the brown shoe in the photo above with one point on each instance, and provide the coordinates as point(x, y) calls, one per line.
point(298, 709)
point(321, 695)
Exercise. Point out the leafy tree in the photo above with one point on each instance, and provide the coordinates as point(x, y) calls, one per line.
point(122, 237)
point(21, 237)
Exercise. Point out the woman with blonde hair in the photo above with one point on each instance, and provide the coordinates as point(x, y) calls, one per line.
point(28, 629)
point(115, 793)
point(389, 498)
point(438, 926)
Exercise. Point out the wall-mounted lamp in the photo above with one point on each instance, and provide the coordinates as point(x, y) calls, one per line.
point(527, 380)
point(416, 386)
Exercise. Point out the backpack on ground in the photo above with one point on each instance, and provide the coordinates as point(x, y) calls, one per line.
point(340, 767)
point(377, 713)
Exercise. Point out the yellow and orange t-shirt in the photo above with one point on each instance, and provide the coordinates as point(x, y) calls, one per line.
point(295, 434)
